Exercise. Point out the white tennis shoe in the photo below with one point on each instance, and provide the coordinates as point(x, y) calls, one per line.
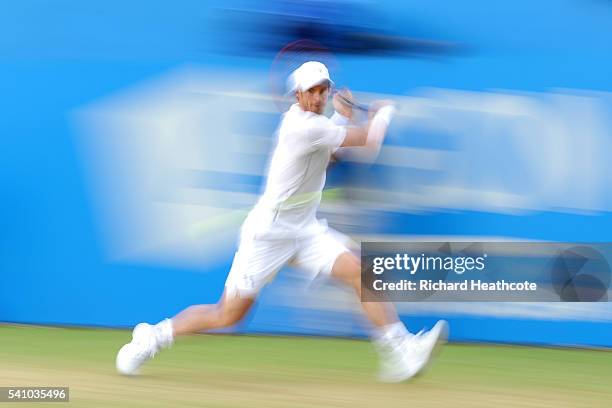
point(141, 349)
point(412, 355)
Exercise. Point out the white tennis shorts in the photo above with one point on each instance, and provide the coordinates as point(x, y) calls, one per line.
point(257, 260)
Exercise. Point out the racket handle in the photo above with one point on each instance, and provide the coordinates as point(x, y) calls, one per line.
point(350, 103)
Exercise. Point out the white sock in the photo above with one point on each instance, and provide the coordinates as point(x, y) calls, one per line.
point(164, 334)
point(389, 335)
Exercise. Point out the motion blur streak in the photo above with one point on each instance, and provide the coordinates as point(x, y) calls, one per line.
point(176, 162)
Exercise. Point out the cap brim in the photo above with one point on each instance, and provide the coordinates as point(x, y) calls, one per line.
point(318, 82)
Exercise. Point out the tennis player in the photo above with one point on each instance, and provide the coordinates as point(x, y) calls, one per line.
point(283, 229)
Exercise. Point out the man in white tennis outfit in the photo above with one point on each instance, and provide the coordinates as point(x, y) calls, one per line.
point(283, 229)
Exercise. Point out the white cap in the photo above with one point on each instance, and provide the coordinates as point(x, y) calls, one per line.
point(309, 74)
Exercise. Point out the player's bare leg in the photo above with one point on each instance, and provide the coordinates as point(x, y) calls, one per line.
point(403, 355)
point(347, 269)
point(228, 311)
point(147, 340)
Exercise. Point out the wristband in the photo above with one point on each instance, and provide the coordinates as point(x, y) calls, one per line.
point(386, 113)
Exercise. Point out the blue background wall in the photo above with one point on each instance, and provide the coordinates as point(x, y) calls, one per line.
point(56, 57)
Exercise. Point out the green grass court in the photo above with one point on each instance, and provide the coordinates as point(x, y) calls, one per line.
point(280, 372)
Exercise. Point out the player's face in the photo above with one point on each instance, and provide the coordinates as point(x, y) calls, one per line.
point(314, 99)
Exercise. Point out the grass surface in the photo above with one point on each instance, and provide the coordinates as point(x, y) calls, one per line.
point(254, 372)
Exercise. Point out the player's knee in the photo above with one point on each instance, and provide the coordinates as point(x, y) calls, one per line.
point(353, 274)
point(229, 317)
point(346, 266)
point(353, 280)
point(356, 283)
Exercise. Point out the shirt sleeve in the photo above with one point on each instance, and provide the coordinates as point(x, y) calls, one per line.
point(339, 120)
point(325, 134)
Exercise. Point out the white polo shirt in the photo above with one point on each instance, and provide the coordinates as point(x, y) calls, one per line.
point(296, 176)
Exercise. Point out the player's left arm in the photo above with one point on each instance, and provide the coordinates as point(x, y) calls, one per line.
point(326, 133)
point(372, 135)
point(383, 112)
